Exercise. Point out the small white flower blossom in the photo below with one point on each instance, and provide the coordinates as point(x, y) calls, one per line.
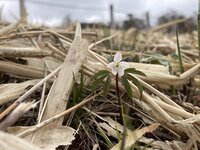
point(118, 66)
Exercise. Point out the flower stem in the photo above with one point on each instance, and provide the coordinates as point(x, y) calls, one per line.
point(119, 100)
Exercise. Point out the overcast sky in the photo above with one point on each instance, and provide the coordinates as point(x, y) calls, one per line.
point(53, 11)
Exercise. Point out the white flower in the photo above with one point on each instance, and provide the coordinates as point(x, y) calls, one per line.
point(118, 66)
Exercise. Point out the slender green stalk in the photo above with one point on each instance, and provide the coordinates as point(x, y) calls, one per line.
point(180, 58)
point(179, 52)
point(198, 28)
point(118, 98)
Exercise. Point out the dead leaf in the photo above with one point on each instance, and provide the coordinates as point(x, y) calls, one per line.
point(12, 91)
point(52, 137)
point(10, 142)
point(55, 136)
point(132, 137)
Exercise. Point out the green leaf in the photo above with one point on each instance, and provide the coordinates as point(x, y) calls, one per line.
point(107, 86)
point(97, 81)
point(137, 83)
point(135, 71)
point(101, 73)
point(126, 85)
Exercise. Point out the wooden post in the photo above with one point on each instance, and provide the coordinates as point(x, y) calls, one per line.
point(147, 20)
point(112, 22)
point(22, 8)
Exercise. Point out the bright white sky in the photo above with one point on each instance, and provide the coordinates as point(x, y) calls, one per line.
point(53, 11)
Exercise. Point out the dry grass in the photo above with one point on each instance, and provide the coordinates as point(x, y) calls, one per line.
point(166, 117)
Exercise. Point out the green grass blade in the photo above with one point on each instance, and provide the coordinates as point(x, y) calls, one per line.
point(97, 81)
point(75, 91)
point(179, 52)
point(101, 132)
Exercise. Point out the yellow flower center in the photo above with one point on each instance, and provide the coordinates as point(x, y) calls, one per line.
point(117, 65)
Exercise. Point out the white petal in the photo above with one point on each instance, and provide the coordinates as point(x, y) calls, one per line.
point(114, 71)
point(111, 65)
point(124, 65)
point(120, 72)
point(118, 57)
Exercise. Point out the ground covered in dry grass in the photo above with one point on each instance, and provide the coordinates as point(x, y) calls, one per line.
point(46, 95)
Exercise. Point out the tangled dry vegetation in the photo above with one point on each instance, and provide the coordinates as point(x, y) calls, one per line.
point(40, 104)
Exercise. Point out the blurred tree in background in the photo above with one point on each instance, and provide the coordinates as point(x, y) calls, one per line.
point(187, 26)
point(132, 21)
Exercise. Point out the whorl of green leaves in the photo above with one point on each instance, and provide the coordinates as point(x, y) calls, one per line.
point(105, 75)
